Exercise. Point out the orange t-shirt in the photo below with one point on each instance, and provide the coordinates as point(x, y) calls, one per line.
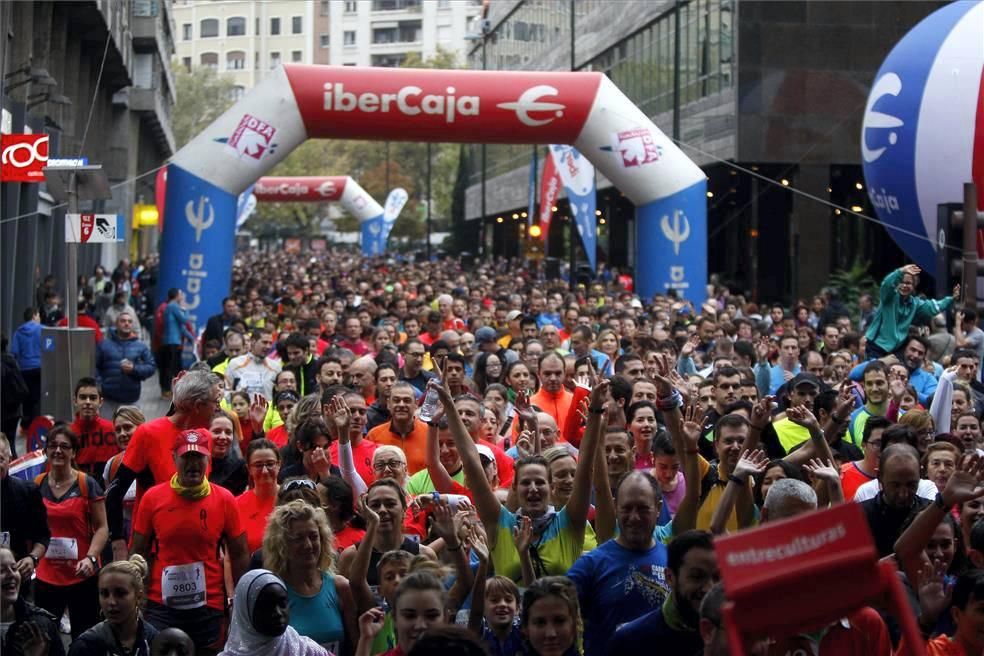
point(362, 455)
point(413, 445)
point(938, 646)
point(187, 533)
point(555, 405)
point(253, 513)
point(853, 477)
point(150, 449)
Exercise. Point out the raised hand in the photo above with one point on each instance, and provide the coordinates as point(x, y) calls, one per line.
point(320, 461)
point(479, 543)
point(845, 403)
point(368, 515)
point(751, 463)
point(527, 415)
point(599, 395)
point(934, 597)
point(258, 411)
point(897, 388)
point(371, 623)
point(524, 443)
point(523, 533)
point(802, 416)
point(762, 348)
point(956, 292)
point(762, 412)
point(966, 481)
point(341, 416)
point(823, 471)
point(583, 381)
point(912, 270)
point(32, 640)
point(664, 386)
point(693, 425)
point(444, 522)
point(690, 346)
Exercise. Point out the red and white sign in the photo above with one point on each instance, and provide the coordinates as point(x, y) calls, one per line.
point(252, 137)
point(92, 228)
point(549, 192)
point(299, 189)
point(449, 105)
point(23, 156)
point(636, 147)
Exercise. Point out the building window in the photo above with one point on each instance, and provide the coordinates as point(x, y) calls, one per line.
point(325, 40)
point(325, 7)
point(210, 60)
point(237, 93)
point(235, 60)
point(186, 62)
point(208, 28)
point(257, 27)
point(296, 56)
point(349, 37)
point(236, 26)
point(274, 26)
point(186, 32)
point(351, 6)
point(296, 25)
point(274, 59)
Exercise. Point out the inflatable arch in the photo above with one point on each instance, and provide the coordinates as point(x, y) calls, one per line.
point(299, 102)
point(340, 189)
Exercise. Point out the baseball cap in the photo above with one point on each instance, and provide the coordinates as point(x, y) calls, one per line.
point(485, 452)
point(636, 303)
point(515, 314)
point(805, 379)
point(285, 395)
point(485, 335)
point(198, 440)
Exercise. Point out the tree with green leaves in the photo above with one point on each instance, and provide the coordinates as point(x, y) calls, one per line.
point(202, 95)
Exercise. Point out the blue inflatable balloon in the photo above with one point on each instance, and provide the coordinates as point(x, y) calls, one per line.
point(923, 131)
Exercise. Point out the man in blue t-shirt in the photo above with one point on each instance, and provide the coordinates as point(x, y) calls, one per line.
point(624, 577)
point(691, 571)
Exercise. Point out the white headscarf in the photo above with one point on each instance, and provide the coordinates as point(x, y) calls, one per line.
point(245, 640)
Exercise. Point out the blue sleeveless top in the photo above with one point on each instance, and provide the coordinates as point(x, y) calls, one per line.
point(319, 617)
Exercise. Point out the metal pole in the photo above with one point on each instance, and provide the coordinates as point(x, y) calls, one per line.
point(428, 201)
point(676, 71)
point(968, 285)
point(387, 167)
point(573, 223)
point(481, 225)
point(754, 268)
point(73, 257)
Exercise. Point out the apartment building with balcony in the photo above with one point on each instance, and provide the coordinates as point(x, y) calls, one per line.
point(244, 38)
point(113, 108)
point(385, 32)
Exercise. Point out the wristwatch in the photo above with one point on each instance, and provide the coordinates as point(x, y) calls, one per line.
point(93, 560)
point(35, 559)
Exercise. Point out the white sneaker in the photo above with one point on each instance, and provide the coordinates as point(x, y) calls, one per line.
point(65, 626)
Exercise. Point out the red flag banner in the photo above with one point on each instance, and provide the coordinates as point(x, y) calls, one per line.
point(549, 192)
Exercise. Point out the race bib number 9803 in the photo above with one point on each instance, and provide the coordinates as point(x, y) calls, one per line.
point(183, 586)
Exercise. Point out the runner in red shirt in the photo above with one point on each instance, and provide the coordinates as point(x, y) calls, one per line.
point(97, 437)
point(187, 518)
point(256, 503)
point(66, 575)
point(148, 458)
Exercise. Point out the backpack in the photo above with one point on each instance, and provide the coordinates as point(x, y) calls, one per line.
point(708, 482)
point(82, 481)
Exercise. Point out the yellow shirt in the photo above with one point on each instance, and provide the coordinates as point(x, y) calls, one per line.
point(713, 498)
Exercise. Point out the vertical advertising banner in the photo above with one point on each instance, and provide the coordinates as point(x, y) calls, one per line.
point(578, 176)
point(391, 210)
point(198, 243)
point(672, 237)
point(549, 192)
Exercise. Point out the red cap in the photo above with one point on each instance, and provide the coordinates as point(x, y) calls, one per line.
point(197, 440)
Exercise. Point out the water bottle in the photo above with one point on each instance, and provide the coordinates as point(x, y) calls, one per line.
point(429, 407)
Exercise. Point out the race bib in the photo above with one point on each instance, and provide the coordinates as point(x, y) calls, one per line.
point(251, 382)
point(5, 539)
point(62, 549)
point(183, 586)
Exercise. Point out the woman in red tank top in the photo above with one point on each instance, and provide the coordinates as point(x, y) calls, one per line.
point(77, 518)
